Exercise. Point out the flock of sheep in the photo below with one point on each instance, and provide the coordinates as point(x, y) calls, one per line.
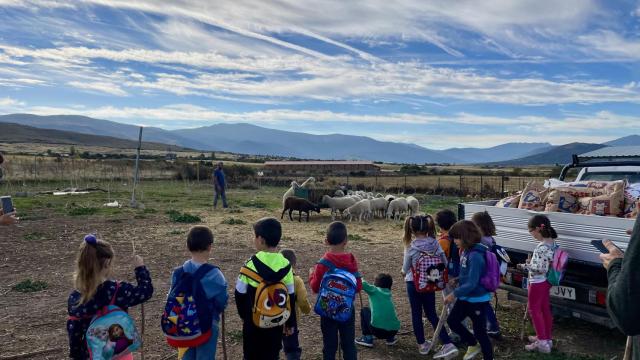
point(359, 205)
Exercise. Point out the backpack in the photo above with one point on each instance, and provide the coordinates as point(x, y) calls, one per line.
point(271, 304)
point(558, 266)
point(111, 333)
point(337, 293)
point(429, 273)
point(187, 317)
point(490, 279)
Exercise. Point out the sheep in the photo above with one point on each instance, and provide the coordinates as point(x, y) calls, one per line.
point(338, 193)
point(414, 205)
point(349, 192)
point(389, 197)
point(300, 204)
point(378, 206)
point(361, 209)
point(396, 208)
point(356, 197)
point(378, 195)
point(337, 204)
point(291, 192)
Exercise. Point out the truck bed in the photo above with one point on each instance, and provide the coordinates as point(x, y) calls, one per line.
point(575, 231)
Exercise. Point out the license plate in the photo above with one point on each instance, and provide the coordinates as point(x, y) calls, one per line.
point(563, 292)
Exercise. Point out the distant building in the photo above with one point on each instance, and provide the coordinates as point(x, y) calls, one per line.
point(329, 167)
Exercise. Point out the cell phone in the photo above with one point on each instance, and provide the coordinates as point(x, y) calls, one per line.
point(7, 204)
point(598, 244)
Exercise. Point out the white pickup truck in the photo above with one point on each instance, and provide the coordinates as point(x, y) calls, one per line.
point(582, 293)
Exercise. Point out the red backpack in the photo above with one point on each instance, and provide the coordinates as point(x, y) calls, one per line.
point(429, 273)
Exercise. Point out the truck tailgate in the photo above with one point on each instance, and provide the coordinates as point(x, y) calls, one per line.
point(575, 231)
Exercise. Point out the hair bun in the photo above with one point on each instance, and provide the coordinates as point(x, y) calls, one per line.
point(90, 239)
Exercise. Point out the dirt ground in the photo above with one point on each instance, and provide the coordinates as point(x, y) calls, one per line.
point(43, 248)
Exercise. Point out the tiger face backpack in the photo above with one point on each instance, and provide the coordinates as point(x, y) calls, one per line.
point(271, 304)
point(112, 334)
point(187, 318)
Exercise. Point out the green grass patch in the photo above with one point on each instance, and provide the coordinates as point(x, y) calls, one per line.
point(233, 221)
point(177, 232)
point(29, 286)
point(356, 237)
point(150, 211)
point(179, 217)
point(234, 211)
point(553, 356)
point(82, 211)
point(34, 236)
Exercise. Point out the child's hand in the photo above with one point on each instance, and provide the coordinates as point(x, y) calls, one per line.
point(311, 269)
point(137, 261)
point(288, 331)
point(449, 299)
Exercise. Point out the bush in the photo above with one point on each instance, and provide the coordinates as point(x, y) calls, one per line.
point(80, 211)
point(233, 221)
point(29, 286)
point(176, 216)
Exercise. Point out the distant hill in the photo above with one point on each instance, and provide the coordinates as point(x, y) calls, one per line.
point(631, 140)
point(15, 133)
point(557, 155)
point(497, 153)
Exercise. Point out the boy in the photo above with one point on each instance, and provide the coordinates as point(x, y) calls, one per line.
point(199, 242)
point(380, 320)
point(260, 343)
point(292, 350)
point(337, 255)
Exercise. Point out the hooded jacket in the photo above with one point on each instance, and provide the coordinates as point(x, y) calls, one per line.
point(413, 252)
point(472, 267)
point(345, 261)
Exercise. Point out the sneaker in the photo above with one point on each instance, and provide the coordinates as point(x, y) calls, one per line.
point(446, 351)
point(541, 346)
point(472, 351)
point(392, 341)
point(532, 338)
point(365, 340)
point(533, 346)
point(425, 347)
point(495, 334)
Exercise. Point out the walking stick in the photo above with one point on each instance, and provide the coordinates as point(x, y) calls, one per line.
point(133, 246)
point(526, 310)
point(444, 314)
point(628, 349)
point(224, 338)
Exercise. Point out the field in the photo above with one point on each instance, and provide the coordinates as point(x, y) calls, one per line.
point(38, 262)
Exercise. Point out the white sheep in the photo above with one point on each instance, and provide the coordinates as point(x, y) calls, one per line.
point(361, 209)
point(378, 195)
point(379, 206)
point(337, 204)
point(338, 193)
point(290, 193)
point(389, 197)
point(396, 208)
point(414, 205)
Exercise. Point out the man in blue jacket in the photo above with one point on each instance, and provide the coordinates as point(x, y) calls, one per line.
point(219, 186)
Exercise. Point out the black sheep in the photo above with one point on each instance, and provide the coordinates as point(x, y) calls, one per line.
point(300, 204)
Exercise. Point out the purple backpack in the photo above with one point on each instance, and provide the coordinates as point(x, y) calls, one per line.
point(491, 277)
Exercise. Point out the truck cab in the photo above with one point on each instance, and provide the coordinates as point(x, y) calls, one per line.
point(582, 293)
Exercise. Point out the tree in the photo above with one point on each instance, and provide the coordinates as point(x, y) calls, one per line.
point(72, 150)
point(213, 155)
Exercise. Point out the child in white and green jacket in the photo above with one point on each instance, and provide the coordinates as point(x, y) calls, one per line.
point(380, 320)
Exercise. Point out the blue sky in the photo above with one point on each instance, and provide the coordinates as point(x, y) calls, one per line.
point(435, 73)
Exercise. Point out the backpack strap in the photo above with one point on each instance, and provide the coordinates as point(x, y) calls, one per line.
point(267, 273)
point(113, 298)
point(250, 274)
point(202, 271)
point(332, 266)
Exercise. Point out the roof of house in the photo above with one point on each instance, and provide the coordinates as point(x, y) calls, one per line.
point(327, 162)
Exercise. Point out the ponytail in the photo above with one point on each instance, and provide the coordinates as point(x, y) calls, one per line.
point(542, 223)
point(94, 256)
point(419, 224)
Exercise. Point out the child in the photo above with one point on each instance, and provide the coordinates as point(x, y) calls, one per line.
point(445, 219)
point(264, 343)
point(538, 299)
point(199, 242)
point(380, 320)
point(423, 228)
point(472, 296)
point(488, 229)
point(94, 292)
point(290, 343)
point(337, 255)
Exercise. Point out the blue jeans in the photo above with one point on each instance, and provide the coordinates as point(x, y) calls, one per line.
point(477, 312)
point(206, 351)
point(330, 330)
point(492, 320)
point(427, 302)
point(220, 193)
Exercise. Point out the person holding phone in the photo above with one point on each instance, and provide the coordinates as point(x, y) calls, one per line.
point(623, 293)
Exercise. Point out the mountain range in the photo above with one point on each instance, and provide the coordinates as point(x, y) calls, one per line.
point(246, 138)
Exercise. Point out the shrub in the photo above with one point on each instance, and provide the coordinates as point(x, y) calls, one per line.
point(80, 211)
point(29, 286)
point(176, 216)
point(233, 221)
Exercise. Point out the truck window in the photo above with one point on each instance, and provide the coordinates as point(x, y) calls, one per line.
point(611, 176)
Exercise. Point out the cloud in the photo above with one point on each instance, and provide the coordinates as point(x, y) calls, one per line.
point(609, 43)
point(101, 87)
point(10, 103)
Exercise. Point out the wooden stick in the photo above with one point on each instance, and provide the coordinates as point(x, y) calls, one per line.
point(524, 321)
point(30, 354)
point(628, 349)
point(444, 314)
point(133, 247)
point(224, 338)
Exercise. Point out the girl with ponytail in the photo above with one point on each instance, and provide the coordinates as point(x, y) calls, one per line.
point(420, 241)
point(538, 300)
point(94, 291)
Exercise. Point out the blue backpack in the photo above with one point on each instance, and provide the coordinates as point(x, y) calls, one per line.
point(337, 293)
point(187, 317)
point(111, 333)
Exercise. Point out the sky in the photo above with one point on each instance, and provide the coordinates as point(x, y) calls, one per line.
point(435, 73)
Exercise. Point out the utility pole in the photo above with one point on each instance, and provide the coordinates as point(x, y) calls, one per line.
point(134, 203)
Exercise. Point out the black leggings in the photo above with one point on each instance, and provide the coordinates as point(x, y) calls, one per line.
point(477, 312)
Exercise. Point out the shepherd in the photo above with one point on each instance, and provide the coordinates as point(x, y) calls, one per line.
point(219, 186)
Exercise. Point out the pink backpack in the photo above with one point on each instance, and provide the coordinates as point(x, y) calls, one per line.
point(429, 273)
point(558, 266)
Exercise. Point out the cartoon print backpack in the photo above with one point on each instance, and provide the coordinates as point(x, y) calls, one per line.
point(430, 273)
point(186, 320)
point(558, 266)
point(112, 333)
point(337, 293)
point(491, 277)
point(271, 304)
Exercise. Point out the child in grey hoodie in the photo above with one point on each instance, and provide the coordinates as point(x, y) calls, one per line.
point(420, 240)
